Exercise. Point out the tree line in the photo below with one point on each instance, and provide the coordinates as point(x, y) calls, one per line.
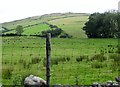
point(103, 25)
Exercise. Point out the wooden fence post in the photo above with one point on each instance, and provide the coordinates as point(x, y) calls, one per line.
point(48, 58)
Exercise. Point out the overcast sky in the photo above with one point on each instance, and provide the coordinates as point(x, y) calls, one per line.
point(17, 9)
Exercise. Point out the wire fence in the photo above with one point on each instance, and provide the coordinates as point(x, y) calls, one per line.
point(73, 61)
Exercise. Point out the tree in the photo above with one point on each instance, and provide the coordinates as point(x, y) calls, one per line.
point(102, 25)
point(19, 30)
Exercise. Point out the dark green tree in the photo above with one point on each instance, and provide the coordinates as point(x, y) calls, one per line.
point(102, 25)
point(19, 30)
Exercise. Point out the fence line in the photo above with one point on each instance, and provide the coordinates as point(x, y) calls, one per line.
point(72, 60)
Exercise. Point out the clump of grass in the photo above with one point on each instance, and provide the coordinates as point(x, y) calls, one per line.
point(5, 62)
point(99, 57)
point(116, 61)
point(96, 64)
point(62, 59)
point(67, 58)
point(55, 61)
point(35, 60)
point(21, 61)
point(7, 72)
point(115, 57)
point(82, 57)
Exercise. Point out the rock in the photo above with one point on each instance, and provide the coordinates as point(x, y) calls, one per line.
point(117, 79)
point(96, 84)
point(0, 84)
point(34, 81)
point(109, 83)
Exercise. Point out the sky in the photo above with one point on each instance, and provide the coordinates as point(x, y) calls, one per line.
point(11, 10)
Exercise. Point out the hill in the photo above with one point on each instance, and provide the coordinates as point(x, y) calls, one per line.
point(71, 23)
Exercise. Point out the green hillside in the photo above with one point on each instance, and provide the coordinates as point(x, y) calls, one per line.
point(71, 23)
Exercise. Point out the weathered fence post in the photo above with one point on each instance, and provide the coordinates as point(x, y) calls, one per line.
point(48, 58)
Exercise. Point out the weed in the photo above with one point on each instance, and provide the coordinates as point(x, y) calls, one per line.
point(7, 72)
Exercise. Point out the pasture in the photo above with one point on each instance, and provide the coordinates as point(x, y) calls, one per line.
point(70, 23)
point(74, 61)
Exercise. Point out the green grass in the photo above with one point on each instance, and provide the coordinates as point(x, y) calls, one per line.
point(72, 25)
point(66, 72)
point(34, 30)
point(19, 54)
point(38, 19)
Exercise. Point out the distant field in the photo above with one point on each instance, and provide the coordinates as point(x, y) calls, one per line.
point(40, 19)
point(35, 30)
point(26, 55)
point(71, 23)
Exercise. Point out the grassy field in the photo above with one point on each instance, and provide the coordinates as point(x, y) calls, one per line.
point(75, 61)
point(33, 30)
point(39, 19)
point(72, 60)
point(71, 23)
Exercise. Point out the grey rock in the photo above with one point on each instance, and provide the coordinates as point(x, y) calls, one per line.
point(34, 80)
point(0, 84)
point(117, 79)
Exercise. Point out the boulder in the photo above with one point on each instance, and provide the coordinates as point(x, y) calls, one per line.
point(117, 79)
point(34, 81)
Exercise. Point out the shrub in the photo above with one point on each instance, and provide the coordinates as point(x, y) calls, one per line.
point(65, 35)
point(54, 32)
